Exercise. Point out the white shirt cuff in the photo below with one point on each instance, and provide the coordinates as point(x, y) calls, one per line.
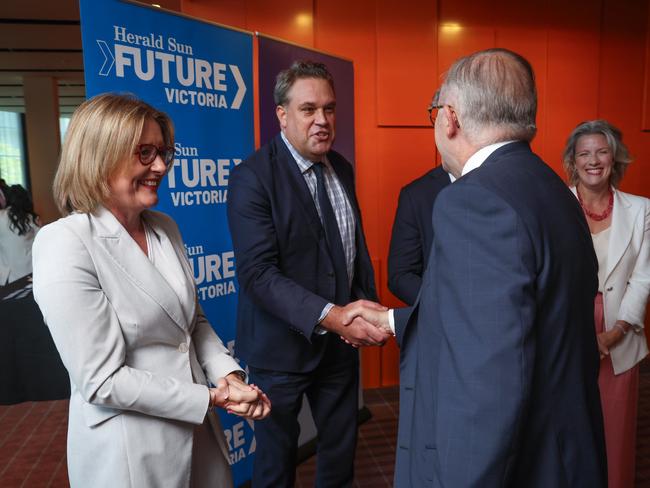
point(319, 329)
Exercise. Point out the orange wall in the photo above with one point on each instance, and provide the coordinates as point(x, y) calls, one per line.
point(590, 58)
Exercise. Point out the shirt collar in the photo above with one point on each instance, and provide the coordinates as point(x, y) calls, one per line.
point(479, 157)
point(303, 164)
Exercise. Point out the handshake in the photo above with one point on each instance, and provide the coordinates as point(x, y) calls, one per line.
point(360, 323)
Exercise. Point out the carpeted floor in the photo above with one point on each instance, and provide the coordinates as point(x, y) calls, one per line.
point(32, 442)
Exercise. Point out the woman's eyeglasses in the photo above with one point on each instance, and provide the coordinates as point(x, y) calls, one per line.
point(147, 154)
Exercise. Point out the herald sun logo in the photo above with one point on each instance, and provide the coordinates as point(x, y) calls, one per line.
point(200, 82)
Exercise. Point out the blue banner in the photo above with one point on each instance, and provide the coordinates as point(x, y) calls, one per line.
point(201, 75)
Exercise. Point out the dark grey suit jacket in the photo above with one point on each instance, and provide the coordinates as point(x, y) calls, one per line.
point(284, 267)
point(503, 391)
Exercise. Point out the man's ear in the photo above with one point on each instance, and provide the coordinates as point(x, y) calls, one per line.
point(281, 114)
point(455, 117)
point(451, 121)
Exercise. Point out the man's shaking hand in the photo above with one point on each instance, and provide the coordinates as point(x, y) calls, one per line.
point(360, 323)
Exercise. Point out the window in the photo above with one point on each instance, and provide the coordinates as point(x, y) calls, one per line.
point(63, 126)
point(12, 158)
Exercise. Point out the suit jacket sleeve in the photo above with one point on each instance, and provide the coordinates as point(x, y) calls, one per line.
point(258, 258)
point(402, 317)
point(405, 255)
point(486, 298)
point(633, 305)
point(213, 356)
point(87, 333)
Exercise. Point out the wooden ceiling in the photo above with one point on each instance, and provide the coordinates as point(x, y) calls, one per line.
point(40, 38)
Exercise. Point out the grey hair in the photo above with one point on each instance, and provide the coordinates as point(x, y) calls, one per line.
point(495, 96)
point(298, 70)
point(614, 138)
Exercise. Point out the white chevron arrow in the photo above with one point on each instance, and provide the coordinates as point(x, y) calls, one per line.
point(108, 56)
point(241, 87)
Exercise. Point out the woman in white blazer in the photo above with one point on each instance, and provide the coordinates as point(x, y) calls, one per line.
point(595, 159)
point(117, 293)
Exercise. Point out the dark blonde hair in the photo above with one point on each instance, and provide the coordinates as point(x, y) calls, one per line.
point(614, 138)
point(103, 134)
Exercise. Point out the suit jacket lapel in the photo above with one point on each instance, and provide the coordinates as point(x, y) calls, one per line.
point(301, 191)
point(176, 249)
point(299, 186)
point(347, 185)
point(623, 216)
point(126, 254)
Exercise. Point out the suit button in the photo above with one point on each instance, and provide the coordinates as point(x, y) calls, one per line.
point(610, 288)
point(330, 274)
point(183, 347)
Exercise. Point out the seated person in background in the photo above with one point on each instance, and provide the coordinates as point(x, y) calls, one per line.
point(595, 159)
point(117, 292)
point(18, 227)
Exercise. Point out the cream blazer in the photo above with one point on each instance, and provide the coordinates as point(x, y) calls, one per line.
point(137, 368)
point(627, 281)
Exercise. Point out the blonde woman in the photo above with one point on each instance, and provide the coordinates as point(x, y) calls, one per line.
point(117, 293)
point(595, 159)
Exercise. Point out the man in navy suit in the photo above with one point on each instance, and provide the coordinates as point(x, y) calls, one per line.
point(301, 261)
point(502, 391)
point(412, 234)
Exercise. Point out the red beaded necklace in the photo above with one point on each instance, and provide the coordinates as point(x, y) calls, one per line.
point(595, 216)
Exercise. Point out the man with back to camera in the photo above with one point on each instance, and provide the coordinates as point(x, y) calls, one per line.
point(410, 242)
point(503, 387)
point(301, 260)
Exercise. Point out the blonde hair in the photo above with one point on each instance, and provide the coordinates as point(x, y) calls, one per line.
point(102, 136)
point(614, 137)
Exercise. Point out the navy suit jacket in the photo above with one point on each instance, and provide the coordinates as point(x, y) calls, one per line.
point(503, 390)
point(284, 268)
point(412, 235)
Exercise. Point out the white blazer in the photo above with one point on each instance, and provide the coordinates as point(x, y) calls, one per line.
point(627, 280)
point(137, 368)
